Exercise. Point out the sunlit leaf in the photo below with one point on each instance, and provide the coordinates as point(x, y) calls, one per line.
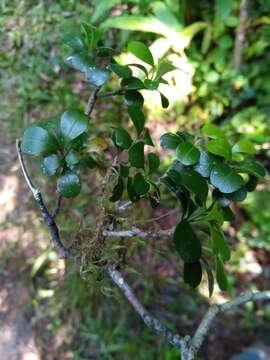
point(225, 179)
point(141, 51)
point(244, 146)
point(73, 123)
point(122, 71)
point(220, 147)
point(187, 153)
point(170, 141)
point(213, 131)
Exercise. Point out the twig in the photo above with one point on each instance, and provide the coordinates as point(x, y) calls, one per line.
point(241, 35)
point(134, 232)
point(91, 101)
point(47, 217)
point(214, 310)
point(111, 93)
point(149, 320)
point(57, 205)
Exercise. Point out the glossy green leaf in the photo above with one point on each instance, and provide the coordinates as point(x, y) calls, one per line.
point(133, 98)
point(187, 153)
point(170, 141)
point(244, 146)
point(96, 76)
point(251, 167)
point(206, 163)
point(140, 185)
point(122, 71)
point(38, 141)
point(164, 101)
point(225, 179)
point(136, 154)
point(52, 125)
point(117, 190)
point(153, 162)
point(72, 158)
point(213, 131)
point(147, 138)
point(150, 84)
point(132, 195)
point(73, 123)
point(102, 8)
point(220, 147)
point(193, 274)
point(220, 275)
point(163, 68)
point(210, 278)
point(121, 138)
point(238, 196)
point(137, 117)
point(50, 164)
point(132, 83)
point(186, 242)
point(79, 61)
point(219, 244)
point(140, 67)
point(141, 51)
point(75, 41)
point(69, 184)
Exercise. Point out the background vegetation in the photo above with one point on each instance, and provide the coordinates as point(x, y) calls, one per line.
point(75, 319)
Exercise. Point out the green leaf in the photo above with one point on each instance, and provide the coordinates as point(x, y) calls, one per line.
point(215, 214)
point(132, 195)
point(186, 242)
point(228, 215)
point(97, 76)
point(187, 153)
point(74, 41)
point(223, 8)
point(69, 184)
point(140, 185)
point(147, 138)
point(122, 71)
point(132, 83)
point(210, 278)
point(153, 162)
point(220, 274)
point(252, 183)
point(244, 146)
point(220, 147)
point(170, 141)
point(213, 131)
point(225, 179)
point(73, 123)
point(118, 190)
point(52, 125)
point(219, 244)
point(133, 98)
point(164, 101)
point(137, 117)
point(72, 158)
point(140, 67)
point(220, 198)
point(141, 51)
point(92, 35)
point(105, 52)
point(136, 154)
point(193, 274)
point(163, 68)
point(38, 141)
point(79, 61)
point(150, 84)
point(207, 37)
point(206, 163)
point(251, 167)
point(50, 165)
point(101, 9)
point(124, 170)
point(237, 196)
point(121, 138)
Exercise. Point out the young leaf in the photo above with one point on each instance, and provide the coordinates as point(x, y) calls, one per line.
point(251, 167)
point(50, 164)
point(136, 154)
point(141, 51)
point(92, 35)
point(122, 71)
point(193, 273)
point(69, 184)
point(118, 190)
point(121, 138)
point(132, 83)
point(225, 179)
point(220, 147)
point(163, 68)
point(219, 244)
point(170, 141)
point(150, 84)
point(73, 123)
point(164, 101)
point(96, 76)
point(220, 274)
point(244, 146)
point(140, 185)
point(153, 162)
point(38, 141)
point(133, 98)
point(137, 117)
point(206, 163)
point(187, 153)
point(213, 131)
point(186, 242)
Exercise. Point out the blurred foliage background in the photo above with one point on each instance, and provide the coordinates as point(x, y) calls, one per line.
point(75, 319)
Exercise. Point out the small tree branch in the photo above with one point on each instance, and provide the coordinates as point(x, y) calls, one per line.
point(134, 232)
point(91, 101)
point(214, 310)
point(241, 35)
point(57, 205)
point(149, 320)
point(111, 93)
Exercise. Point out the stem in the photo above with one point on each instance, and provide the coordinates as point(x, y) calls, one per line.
point(91, 101)
point(111, 93)
point(134, 232)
